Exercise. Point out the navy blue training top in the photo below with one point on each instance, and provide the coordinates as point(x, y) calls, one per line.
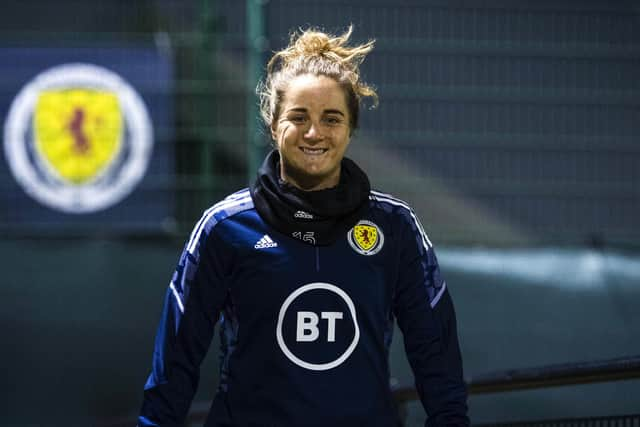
point(305, 329)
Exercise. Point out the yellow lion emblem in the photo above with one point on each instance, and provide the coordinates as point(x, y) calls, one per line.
point(78, 132)
point(366, 236)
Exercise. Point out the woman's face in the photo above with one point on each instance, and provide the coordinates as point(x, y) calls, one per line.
point(312, 132)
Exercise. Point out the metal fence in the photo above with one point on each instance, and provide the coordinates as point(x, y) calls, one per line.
point(502, 123)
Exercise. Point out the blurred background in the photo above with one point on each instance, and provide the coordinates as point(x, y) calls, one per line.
point(511, 127)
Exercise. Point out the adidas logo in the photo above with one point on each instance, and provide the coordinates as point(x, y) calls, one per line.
point(302, 214)
point(265, 242)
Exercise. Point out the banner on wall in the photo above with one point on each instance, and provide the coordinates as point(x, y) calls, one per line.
point(79, 139)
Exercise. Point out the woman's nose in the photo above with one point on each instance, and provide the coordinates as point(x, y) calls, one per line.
point(313, 132)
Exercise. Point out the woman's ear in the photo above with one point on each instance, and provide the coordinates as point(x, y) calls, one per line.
point(274, 129)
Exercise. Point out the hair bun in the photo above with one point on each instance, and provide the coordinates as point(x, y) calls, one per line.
point(313, 51)
point(312, 43)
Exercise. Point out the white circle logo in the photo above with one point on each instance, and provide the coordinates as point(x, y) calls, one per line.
point(308, 326)
point(78, 138)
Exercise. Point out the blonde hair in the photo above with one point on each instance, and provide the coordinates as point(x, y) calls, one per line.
point(315, 52)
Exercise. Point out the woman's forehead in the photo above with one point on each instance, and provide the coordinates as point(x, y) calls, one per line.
point(309, 91)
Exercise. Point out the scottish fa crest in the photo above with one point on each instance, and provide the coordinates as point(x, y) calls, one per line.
point(366, 238)
point(78, 138)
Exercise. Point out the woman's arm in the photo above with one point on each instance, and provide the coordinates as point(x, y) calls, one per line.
point(426, 316)
point(192, 304)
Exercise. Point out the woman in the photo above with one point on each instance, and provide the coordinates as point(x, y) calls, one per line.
point(306, 272)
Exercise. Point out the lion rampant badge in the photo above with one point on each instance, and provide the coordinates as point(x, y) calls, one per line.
point(366, 238)
point(78, 132)
point(78, 138)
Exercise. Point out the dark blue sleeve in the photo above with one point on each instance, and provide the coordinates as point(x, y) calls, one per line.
point(192, 304)
point(426, 316)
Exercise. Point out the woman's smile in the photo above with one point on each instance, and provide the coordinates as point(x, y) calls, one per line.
point(312, 132)
point(315, 152)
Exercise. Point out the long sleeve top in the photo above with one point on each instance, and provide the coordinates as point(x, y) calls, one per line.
point(306, 330)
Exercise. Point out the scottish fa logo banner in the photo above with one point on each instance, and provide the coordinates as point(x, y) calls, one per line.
point(78, 138)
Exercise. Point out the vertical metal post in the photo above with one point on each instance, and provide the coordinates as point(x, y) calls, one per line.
point(205, 74)
point(257, 42)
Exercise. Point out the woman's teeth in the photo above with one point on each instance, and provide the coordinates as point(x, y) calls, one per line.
point(313, 151)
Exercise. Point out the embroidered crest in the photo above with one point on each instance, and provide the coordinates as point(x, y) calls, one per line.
point(366, 238)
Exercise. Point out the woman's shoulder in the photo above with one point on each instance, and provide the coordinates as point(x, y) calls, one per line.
point(389, 203)
point(394, 208)
point(229, 206)
point(400, 213)
point(240, 194)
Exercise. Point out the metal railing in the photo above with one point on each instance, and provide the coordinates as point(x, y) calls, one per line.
point(619, 369)
point(623, 368)
point(612, 421)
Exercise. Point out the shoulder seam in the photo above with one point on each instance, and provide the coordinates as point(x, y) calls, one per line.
point(384, 197)
point(236, 200)
point(387, 198)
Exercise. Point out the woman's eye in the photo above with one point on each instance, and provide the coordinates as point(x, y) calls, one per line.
point(297, 119)
point(332, 120)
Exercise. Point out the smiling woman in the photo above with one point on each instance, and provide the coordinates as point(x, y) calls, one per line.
point(308, 269)
point(312, 132)
point(311, 101)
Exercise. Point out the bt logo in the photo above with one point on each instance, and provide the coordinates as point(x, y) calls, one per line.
point(318, 339)
point(308, 322)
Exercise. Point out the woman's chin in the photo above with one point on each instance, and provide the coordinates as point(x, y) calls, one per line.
point(312, 179)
